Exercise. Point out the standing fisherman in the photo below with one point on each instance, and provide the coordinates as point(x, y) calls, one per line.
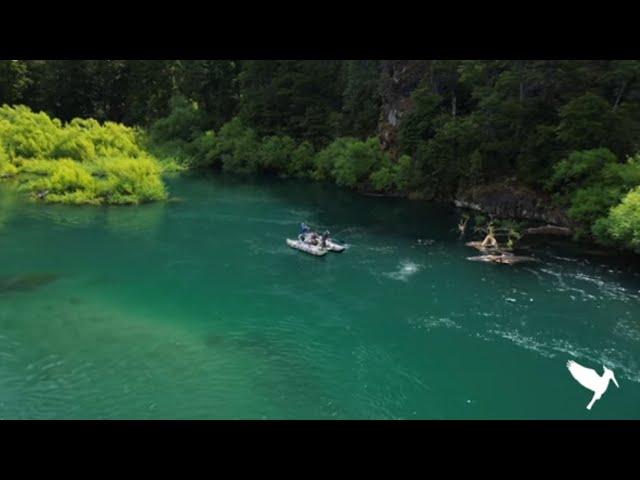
point(323, 239)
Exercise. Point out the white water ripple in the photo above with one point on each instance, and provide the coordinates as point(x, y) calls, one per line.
point(405, 270)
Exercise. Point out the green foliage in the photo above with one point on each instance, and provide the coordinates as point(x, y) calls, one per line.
point(296, 98)
point(589, 183)
point(383, 179)
point(579, 169)
point(622, 225)
point(360, 98)
point(357, 161)
point(325, 160)
point(79, 162)
point(27, 134)
point(276, 154)
point(238, 147)
point(185, 122)
point(561, 124)
point(586, 122)
point(444, 160)
point(405, 173)
point(76, 145)
point(14, 80)
point(202, 152)
point(126, 180)
point(419, 124)
point(7, 169)
point(302, 160)
point(213, 85)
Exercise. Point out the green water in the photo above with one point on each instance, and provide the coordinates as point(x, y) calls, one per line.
point(198, 309)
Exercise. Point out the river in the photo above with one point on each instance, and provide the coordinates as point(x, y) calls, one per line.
point(197, 309)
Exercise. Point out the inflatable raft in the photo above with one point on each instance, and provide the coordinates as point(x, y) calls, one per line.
point(330, 245)
point(333, 246)
point(307, 248)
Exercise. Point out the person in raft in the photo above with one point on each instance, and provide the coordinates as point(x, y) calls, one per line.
point(323, 239)
point(304, 229)
point(490, 240)
point(313, 239)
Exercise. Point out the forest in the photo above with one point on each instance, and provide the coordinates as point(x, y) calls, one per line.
point(103, 131)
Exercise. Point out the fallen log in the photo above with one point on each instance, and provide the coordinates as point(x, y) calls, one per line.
point(478, 246)
point(505, 259)
point(548, 230)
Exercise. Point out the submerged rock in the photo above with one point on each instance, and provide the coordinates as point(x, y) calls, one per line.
point(504, 258)
point(26, 282)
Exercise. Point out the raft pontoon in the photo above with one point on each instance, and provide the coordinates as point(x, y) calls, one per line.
point(307, 248)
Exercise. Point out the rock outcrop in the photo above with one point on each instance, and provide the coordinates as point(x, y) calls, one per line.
point(505, 199)
point(399, 79)
point(511, 200)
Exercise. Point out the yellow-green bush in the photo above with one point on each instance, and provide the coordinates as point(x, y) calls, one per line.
point(7, 169)
point(81, 162)
point(129, 180)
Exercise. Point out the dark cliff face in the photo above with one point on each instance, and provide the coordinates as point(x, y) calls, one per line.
point(510, 200)
point(399, 79)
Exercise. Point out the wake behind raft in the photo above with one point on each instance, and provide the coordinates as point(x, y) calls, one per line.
point(312, 243)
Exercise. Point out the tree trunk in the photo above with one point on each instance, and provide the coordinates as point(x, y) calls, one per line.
point(619, 97)
point(453, 106)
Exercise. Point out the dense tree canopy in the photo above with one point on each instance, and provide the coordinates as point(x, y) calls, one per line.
point(567, 126)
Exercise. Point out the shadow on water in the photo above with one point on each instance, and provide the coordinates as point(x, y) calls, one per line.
point(26, 282)
point(341, 210)
point(283, 374)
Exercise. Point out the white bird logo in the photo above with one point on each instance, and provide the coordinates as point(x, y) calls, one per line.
point(589, 378)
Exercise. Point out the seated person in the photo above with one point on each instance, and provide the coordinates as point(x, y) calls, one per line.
point(490, 240)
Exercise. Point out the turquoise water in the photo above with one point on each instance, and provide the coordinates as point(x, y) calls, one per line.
point(197, 309)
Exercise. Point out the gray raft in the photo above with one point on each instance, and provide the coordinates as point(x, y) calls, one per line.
point(307, 248)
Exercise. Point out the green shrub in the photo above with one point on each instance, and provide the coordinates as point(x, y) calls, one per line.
point(590, 184)
point(359, 161)
point(65, 177)
point(238, 147)
point(384, 179)
point(276, 153)
point(7, 169)
point(301, 164)
point(203, 151)
point(79, 162)
point(324, 161)
point(580, 168)
point(622, 225)
point(127, 180)
point(185, 123)
point(405, 172)
point(75, 145)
